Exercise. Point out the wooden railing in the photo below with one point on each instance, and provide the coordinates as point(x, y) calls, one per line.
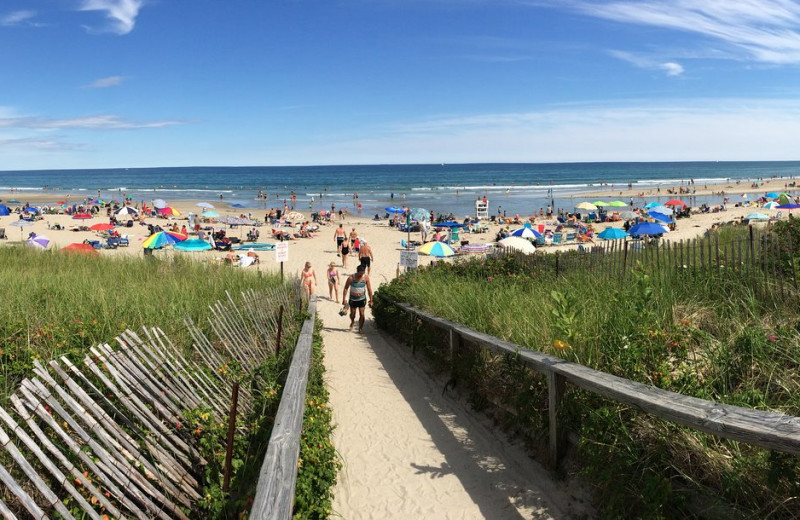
point(111, 436)
point(275, 491)
point(769, 430)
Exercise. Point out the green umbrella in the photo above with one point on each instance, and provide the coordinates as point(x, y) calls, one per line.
point(618, 204)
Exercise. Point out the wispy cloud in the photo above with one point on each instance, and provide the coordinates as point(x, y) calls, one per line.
point(37, 143)
point(671, 68)
point(100, 122)
point(121, 13)
point(110, 81)
point(16, 17)
point(766, 31)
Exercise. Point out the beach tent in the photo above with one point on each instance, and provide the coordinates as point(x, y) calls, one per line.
point(522, 245)
point(195, 244)
point(612, 234)
point(646, 229)
point(438, 249)
point(4, 211)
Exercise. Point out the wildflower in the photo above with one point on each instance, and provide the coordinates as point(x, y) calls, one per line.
point(773, 338)
point(560, 345)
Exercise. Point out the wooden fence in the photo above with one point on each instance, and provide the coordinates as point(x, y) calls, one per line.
point(107, 437)
point(765, 429)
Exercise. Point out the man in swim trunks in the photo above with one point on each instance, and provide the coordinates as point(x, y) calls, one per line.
point(356, 290)
point(339, 237)
point(365, 255)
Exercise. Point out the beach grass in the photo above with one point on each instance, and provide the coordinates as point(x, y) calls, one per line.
point(721, 334)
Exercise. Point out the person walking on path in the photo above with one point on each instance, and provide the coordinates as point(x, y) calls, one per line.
point(354, 295)
point(333, 281)
point(339, 237)
point(365, 255)
point(309, 278)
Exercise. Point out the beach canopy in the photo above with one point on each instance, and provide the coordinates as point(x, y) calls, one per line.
point(675, 202)
point(617, 204)
point(195, 244)
point(757, 216)
point(438, 249)
point(586, 205)
point(646, 229)
point(394, 210)
point(161, 239)
point(80, 248)
point(523, 245)
point(105, 226)
point(526, 232)
point(660, 217)
point(771, 205)
point(788, 206)
point(612, 234)
point(4, 210)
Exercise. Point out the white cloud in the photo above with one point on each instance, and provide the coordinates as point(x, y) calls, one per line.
point(122, 13)
point(671, 68)
point(110, 81)
point(766, 31)
point(16, 17)
point(101, 122)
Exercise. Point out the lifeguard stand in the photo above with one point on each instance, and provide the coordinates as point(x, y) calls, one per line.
point(481, 208)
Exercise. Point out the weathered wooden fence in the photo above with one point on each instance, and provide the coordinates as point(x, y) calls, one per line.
point(765, 429)
point(109, 434)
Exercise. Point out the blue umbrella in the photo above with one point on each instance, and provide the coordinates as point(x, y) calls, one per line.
point(651, 205)
point(772, 195)
point(526, 232)
point(237, 205)
point(209, 214)
point(33, 210)
point(4, 211)
point(195, 244)
point(448, 224)
point(646, 228)
point(438, 249)
point(419, 214)
point(788, 206)
point(612, 234)
point(659, 217)
point(395, 210)
point(757, 216)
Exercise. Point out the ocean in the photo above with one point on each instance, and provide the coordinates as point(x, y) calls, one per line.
point(444, 188)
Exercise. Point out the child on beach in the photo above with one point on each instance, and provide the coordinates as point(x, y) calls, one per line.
point(333, 281)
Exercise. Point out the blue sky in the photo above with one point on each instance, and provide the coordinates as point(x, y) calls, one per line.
point(134, 83)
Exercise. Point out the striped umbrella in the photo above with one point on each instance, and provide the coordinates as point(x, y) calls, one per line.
point(438, 249)
point(161, 239)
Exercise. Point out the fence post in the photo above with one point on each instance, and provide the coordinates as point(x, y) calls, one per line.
point(625, 259)
point(226, 479)
point(555, 393)
point(280, 330)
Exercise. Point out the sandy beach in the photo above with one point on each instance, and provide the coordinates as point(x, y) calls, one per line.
point(408, 452)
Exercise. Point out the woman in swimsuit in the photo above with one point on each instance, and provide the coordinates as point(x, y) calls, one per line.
point(308, 276)
point(333, 281)
point(345, 252)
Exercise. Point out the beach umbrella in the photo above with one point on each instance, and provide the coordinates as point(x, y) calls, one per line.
point(660, 217)
point(419, 214)
point(617, 204)
point(394, 210)
point(161, 239)
point(237, 205)
point(39, 241)
point(523, 245)
point(82, 216)
point(662, 209)
point(4, 211)
point(675, 202)
point(757, 216)
point(195, 244)
point(646, 228)
point(438, 249)
point(771, 205)
point(628, 215)
point(772, 195)
point(449, 224)
point(205, 205)
point(586, 205)
point(651, 205)
point(159, 203)
point(79, 248)
point(21, 224)
point(612, 234)
point(295, 215)
point(15, 201)
point(788, 206)
point(209, 214)
point(784, 198)
point(526, 232)
point(169, 211)
point(600, 203)
point(127, 210)
point(102, 227)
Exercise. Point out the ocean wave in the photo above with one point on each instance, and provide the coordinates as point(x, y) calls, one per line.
point(20, 188)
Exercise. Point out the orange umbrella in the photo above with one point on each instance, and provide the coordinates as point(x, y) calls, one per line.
point(674, 202)
point(102, 227)
point(81, 249)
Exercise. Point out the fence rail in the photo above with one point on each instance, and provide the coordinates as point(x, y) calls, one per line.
point(769, 430)
point(110, 435)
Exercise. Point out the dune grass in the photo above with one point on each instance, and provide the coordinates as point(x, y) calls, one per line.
point(712, 334)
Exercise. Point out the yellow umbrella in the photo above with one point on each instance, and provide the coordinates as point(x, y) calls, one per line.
point(586, 205)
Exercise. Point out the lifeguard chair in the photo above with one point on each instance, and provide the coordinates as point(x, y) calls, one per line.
point(481, 209)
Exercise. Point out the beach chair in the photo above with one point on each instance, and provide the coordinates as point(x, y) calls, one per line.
point(3, 233)
point(557, 239)
point(124, 241)
point(112, 242)
point(570, 237)
point(540, 242)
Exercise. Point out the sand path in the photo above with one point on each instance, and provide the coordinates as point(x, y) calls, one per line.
point(409, 452)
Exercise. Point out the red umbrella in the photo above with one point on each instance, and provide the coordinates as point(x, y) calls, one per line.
point(78, 248)
point(82, 215)
point(102, 227)
point(675, 202)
